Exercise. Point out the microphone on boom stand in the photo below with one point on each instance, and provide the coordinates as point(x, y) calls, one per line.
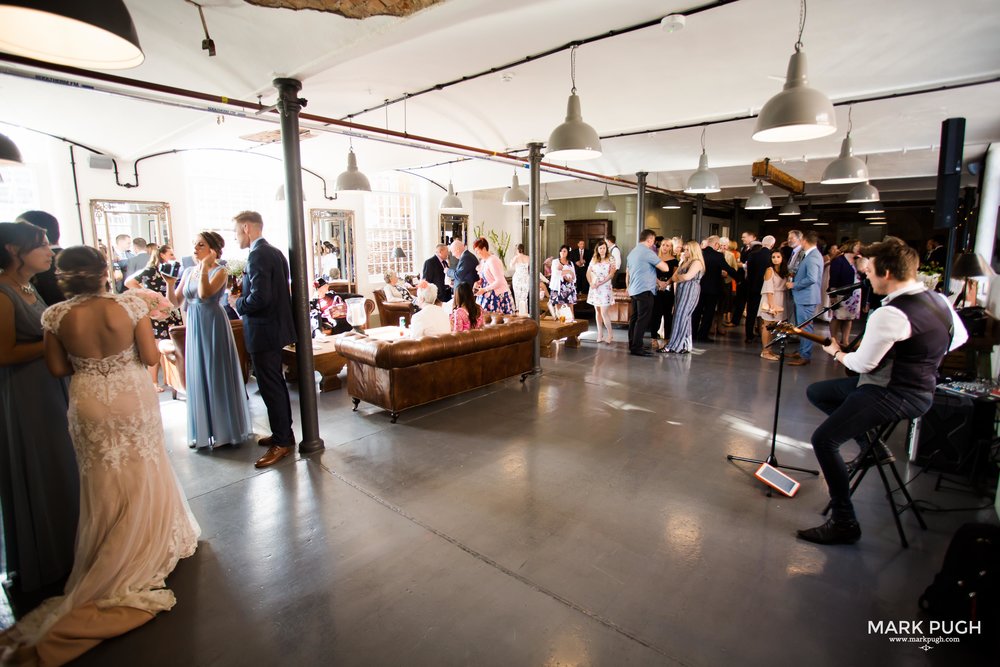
point(846, 289)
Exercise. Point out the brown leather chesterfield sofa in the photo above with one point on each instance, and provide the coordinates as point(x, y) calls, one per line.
point(404, 373)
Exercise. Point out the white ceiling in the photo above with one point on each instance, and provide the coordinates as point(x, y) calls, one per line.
point(726, 63)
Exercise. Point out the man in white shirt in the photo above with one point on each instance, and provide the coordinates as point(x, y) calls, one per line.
point(616, 255)
point(903, 345)
point(431, 319)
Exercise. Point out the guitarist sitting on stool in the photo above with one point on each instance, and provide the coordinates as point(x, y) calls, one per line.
point(898, 358)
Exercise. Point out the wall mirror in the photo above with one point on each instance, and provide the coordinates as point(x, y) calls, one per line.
point(333, 247)
point(112, 218)
point(454, 226)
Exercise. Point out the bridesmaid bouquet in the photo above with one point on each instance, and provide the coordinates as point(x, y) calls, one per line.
point(159, 307)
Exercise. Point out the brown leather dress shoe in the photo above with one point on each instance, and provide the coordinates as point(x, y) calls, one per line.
point(799, 361)
point(266, 442)
point(274, 454)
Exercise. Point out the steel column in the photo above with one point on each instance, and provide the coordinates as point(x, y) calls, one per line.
point(289, 105)
point(640, 200)
point(534, 246)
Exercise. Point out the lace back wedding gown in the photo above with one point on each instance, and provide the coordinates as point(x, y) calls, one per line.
point(134, 522)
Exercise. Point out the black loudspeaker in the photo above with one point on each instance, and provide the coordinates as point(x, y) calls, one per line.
point(956, 433)
point(949, 173)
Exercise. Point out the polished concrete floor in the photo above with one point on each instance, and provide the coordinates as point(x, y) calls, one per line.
point(586, 517)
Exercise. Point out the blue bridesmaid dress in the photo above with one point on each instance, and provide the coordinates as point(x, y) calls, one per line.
point(218, 413)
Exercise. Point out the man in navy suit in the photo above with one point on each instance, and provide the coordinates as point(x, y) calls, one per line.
point(435, 269)
point(807, 292)
point(465, 270)
point(266, 309)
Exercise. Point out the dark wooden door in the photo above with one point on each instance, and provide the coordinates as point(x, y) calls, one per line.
point(591, 231)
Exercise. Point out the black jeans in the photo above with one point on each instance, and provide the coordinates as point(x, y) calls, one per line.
point(663, 312)
point(853, 411)
point(638, 321)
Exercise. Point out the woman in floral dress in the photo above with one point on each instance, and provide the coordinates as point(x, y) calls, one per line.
point(562, 284)
point(150, 278)
point(599, 275)
point(493, 294)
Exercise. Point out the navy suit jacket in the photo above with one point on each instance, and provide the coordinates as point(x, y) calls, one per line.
point(466, 272)
point(265, 305)
point(433, 272)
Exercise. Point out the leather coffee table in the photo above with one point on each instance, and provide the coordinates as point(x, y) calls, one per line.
point(552, 330)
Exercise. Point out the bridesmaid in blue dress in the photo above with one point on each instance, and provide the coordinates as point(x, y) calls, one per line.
point(218, 414)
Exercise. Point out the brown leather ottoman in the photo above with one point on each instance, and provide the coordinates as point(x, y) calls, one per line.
point(326, 359)
point(552, 330)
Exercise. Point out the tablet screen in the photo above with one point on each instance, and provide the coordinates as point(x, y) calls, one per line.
point(777, 479)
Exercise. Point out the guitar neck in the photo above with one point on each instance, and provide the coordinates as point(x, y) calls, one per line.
point(816, 338)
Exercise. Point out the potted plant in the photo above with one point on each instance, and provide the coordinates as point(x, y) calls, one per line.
point(235, 269)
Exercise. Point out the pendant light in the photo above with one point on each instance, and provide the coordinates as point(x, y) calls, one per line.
point(871, 208)
point(672, 203)
point(9, 154)
point(574, 139)
point(352, 179)
point(92, 35)
point(758, 201)
point(279, 194)
point(515, 196)
point(772, 218)
point(702, 181)
point(450, 202)
point(846, 168)
point(809, 215)
point(605, 205)
point(790, 207)
point(546, 210)
point(798, 112)
point(861, 193)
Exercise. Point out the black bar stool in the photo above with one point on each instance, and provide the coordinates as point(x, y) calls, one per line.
point(868, 459)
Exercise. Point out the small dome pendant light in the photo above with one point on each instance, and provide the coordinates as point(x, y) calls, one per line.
point(798, 112)
point(352, 179)
point(515, 196)
point(702, 181)
point(758, 201)
point(846, 168)
point(573, 139)
point(605, 205)
point(451, 202)
point(546, 210)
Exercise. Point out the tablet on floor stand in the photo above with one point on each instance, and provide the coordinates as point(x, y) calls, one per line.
point(777, 479)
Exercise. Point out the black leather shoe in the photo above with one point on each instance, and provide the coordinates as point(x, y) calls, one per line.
point(832, 532)
point(885, 455)
point(644, 353)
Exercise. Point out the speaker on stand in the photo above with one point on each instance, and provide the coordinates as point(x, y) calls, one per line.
point(948, 182)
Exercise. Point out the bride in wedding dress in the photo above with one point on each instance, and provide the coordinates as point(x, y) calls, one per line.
point(134, 523)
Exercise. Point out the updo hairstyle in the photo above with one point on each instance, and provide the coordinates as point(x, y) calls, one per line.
point(25, 237)
point(214, 241)
point(80, 270)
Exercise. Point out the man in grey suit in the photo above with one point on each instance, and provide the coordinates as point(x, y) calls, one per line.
point(139, 259)
point(806, 289)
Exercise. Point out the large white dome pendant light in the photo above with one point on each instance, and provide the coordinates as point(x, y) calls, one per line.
point(574, 139)
point(758, 201)
point(88, 34)
point(798, 112)
point(846, 168)
point(515, 196)
point(451, 202)
point(605, 205)
point(702, 181)
point(352, 179)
